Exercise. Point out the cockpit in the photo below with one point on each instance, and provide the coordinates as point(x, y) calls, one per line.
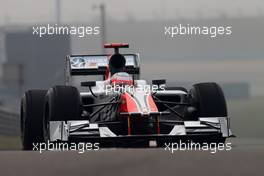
point(121, 78)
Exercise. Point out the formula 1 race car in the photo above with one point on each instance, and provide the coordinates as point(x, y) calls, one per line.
point(105, 101)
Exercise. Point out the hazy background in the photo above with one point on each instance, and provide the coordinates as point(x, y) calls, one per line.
point(236, 58)
point(37, 11)
point(236, 61)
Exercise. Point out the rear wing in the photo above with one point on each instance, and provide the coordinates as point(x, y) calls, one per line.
point(98, 64)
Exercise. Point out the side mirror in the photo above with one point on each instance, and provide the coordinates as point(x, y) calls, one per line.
point(88, 84)
point(158, 82)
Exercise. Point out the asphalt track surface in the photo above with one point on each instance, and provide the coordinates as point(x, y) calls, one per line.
point(243, 160)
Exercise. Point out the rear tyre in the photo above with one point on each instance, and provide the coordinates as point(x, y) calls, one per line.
point(62, 103)
point(31, 118)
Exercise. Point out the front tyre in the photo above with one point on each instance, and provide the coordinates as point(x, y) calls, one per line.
point(209, 101)
point(31, 118)
point(62, 103)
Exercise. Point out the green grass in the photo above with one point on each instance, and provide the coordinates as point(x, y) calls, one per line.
point(10, 143)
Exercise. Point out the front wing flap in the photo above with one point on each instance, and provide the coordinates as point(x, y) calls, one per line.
point(205, 129)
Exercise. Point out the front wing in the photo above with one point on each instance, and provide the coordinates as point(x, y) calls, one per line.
point(210, 129)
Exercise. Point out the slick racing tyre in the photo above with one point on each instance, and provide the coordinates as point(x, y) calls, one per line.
point(208, 99)
point(31, 118)
point(62, 103)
